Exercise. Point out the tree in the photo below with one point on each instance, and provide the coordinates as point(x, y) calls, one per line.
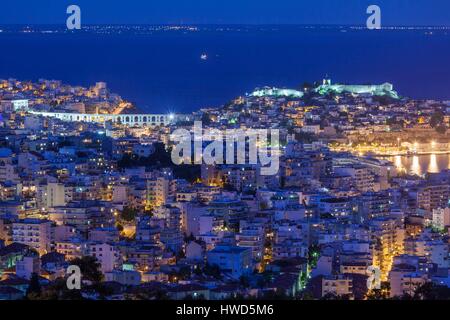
point(313, 255)
point(431, 291)
point(305, 295)
point(380, 294)
point(437, 119)
point(180, 255)
point(161, 158)
point(182, 274)
point(128, 214)
point(212, 270)
point(244, 281)
point(188, 172)
point(57, 290)
point(264, 280)
point(275, 295)
point(90, 268)
point(34, 289)
point(189, 238)
point(158, 159)
point(206, 119)
point(333, 296)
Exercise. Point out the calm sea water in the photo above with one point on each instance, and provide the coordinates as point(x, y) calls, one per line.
point(422, 164)
point(163, 72)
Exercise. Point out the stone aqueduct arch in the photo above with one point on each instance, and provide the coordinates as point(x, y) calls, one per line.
point(131, 120)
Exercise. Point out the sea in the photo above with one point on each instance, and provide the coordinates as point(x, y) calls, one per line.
point(421, 164)
point(183, 71)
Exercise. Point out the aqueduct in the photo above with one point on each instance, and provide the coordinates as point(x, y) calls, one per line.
point(131, 120)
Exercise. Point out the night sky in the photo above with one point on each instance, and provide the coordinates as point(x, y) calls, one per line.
point(394, 12)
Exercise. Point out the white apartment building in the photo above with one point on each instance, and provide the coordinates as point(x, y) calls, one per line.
point(107, 255)
point(51, 195)
point(36, 233)
point(441, 218)
point(157, 192)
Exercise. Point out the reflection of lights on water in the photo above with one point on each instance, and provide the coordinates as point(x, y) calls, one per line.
point(433, 167)
point(415, 168)
point(420, 164)
point(398, 162)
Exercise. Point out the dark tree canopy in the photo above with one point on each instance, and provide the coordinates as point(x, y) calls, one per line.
point(90, 268)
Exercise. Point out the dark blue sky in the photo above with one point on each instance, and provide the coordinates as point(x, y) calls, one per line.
point(394, 12)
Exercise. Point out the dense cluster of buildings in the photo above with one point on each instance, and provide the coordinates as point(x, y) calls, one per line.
point(74, 189)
